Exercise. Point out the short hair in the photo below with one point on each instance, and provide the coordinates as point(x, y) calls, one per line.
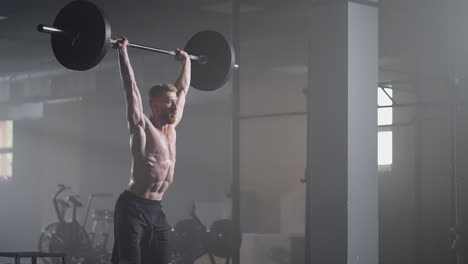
point(159, 90)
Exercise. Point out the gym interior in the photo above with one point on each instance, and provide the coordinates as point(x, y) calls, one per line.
point(338, 132)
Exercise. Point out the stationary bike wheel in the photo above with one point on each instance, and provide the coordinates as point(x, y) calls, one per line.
point(70, 238)
point(45, 241)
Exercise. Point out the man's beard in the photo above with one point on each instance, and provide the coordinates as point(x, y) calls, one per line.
point(169, 118)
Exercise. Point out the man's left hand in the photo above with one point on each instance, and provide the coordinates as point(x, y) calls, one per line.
point(181, 56)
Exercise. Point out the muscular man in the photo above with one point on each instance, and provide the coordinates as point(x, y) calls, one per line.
point(140, 227)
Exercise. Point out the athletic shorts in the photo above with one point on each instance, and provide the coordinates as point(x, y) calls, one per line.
point(141, 231)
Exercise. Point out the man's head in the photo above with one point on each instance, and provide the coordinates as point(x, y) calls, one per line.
point(163, 102)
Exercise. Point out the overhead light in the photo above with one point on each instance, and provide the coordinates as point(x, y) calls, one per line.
point(3, 18)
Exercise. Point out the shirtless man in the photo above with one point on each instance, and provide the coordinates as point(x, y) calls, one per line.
point(140, 228)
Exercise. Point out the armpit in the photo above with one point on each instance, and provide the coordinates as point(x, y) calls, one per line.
point(140, 125)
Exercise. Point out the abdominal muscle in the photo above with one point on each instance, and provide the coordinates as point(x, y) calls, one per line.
point(151, 181)
point(153, 161)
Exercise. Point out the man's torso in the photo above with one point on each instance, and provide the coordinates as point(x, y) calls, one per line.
point(151, 177)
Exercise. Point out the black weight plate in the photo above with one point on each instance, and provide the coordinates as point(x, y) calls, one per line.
point(223, 240)
point(220, 54)
point(189, 237)
point(92, 30)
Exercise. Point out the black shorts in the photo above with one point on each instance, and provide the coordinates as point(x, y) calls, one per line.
point(141, 231)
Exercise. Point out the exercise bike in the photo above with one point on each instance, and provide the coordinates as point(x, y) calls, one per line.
point(70, 236)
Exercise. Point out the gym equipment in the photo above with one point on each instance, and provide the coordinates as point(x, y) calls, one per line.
point(222, 238)
point(193, 240)
point(189, 238)
point(68, 235)
point(65, 236)
point(81, 36)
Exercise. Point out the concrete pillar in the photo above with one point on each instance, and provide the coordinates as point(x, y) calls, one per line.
point(342, 203)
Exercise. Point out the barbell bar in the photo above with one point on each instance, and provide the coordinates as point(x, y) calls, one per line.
point(53, 30)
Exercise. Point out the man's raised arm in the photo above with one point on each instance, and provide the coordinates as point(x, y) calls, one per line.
point(132, 94)
point(182, 83)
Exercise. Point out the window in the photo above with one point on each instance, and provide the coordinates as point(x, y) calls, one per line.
point(385, 121)
point(6, 150)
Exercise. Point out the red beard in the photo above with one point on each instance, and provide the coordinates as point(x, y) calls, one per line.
point(169, 118)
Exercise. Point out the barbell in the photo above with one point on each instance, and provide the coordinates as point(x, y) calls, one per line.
point(81, 36)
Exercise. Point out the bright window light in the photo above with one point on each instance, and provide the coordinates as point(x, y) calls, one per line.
point(385, 146)
point(6, 150)
point(385, 118)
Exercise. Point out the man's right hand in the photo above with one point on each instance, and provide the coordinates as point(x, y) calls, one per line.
point(121, 43)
